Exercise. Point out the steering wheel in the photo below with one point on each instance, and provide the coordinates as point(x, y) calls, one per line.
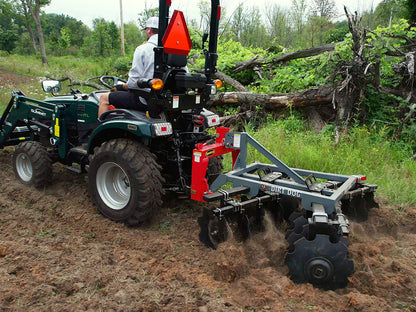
point(115, 81)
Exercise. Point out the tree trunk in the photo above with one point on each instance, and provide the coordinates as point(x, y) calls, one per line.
point(349, 91)
point(318, 96)
point(29, 27)
point(35, 11)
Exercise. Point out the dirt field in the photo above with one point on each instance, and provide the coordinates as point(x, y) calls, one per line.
point(58, 254)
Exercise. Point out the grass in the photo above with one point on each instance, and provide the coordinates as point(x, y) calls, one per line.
point(80, 68)
point(31, 66)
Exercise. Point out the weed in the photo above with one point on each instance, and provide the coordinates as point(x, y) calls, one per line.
point(89, 235)
point(165, 227)
point(43, 233)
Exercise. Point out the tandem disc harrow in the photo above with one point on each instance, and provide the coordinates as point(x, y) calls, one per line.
point(311, 205)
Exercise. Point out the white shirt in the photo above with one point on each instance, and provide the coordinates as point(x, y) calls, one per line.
point(143, 62)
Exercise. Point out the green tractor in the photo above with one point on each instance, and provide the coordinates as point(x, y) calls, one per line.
point(131, 158)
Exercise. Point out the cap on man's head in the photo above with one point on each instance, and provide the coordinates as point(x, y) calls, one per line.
point(152, 22)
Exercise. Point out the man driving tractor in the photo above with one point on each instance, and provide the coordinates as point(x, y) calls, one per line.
point(129, 95)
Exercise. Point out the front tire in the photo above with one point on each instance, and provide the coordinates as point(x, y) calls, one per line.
point(125, 181)
point(32, 164)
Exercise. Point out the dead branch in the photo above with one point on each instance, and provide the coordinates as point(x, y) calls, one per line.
point(74, 82)
point(255, 63)
point(305, 53)
point(232, 82)
point(249, 64)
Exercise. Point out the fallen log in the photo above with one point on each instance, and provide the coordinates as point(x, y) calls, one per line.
point(312, 97)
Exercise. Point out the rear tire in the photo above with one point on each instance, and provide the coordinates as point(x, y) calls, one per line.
point(32, 164)
point(125, 181)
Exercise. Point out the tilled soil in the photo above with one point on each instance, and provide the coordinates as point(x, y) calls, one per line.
point(57, 253)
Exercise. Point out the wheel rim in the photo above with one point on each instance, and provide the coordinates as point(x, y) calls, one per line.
point(24, 167)
point(113, 185)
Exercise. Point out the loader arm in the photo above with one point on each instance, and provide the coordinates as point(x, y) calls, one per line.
point(25, 117)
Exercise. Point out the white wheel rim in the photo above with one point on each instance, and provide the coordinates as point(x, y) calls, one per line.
point(113, 185)
point(24, 167)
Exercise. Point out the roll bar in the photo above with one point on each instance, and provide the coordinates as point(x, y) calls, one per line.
point(210, 54)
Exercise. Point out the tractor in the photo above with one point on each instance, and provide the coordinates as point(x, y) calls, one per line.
point(132, 158)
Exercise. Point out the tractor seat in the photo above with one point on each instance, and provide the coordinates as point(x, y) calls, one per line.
point(177, 60)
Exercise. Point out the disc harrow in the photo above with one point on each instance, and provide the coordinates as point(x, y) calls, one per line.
point(311, 207)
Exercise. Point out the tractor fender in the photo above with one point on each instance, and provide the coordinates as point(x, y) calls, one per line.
point(119, 128)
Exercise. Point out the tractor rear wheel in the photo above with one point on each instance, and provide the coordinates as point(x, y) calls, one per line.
point(32, 164)
point(125, 181)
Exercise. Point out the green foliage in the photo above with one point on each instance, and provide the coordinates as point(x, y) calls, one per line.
point(133, 37)
point(105, 37)
point(65, 40)
point(391, 11)
point(411, 10)
point(232, 52)
point(8, 37)
point(122, 66)
point(298, 75)
point(338, 33)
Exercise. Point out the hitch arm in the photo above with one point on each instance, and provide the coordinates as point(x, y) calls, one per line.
point(200, 158)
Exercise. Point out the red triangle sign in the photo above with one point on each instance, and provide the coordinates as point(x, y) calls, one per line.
point(176, 39)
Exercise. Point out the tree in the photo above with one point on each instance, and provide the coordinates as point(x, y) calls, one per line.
point(133, 36)
point(298, 15)
point(8, 30)
point(390, 11)
point(323, 8)
point(205, 12)
point(76, 32)
point(23, 9)
point(246, 26)
point(65, 39)
point(411, 10)
point(322, 11)
point(34, 9)
point(279, 26)
point(106, 37)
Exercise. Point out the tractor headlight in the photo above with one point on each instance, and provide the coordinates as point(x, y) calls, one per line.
point(162, 128)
